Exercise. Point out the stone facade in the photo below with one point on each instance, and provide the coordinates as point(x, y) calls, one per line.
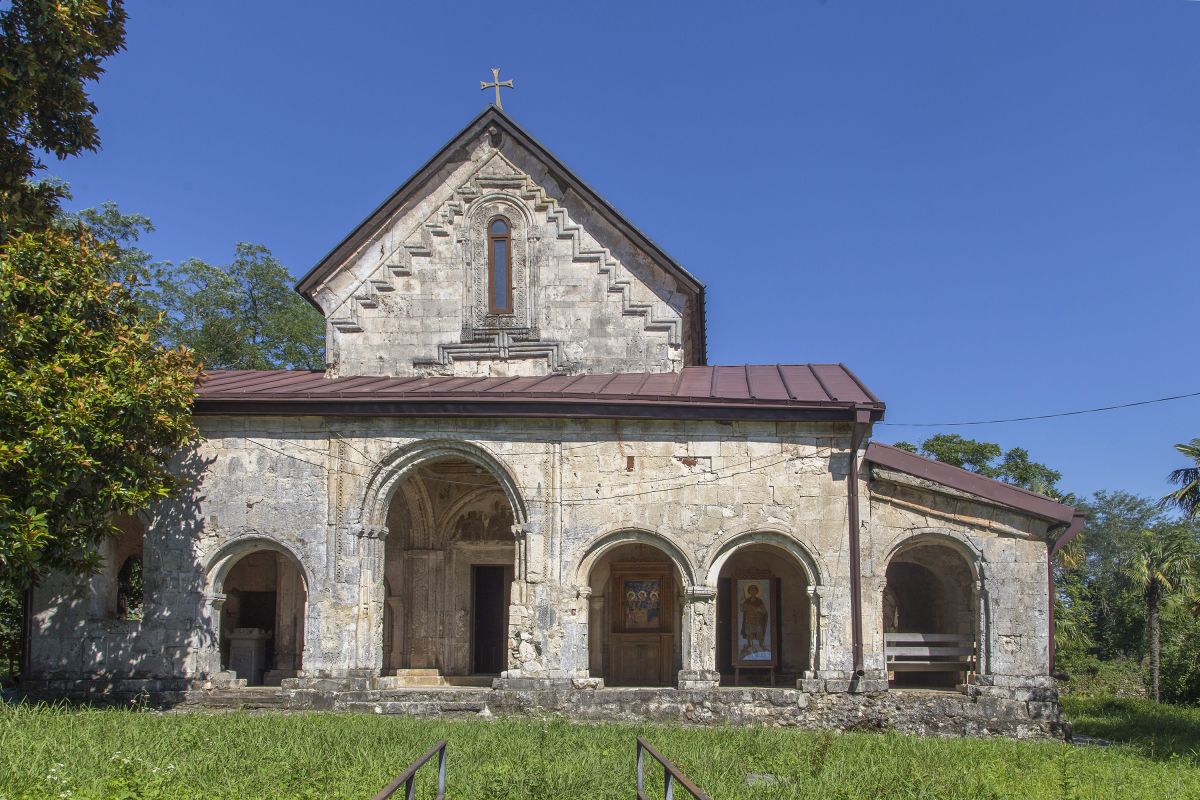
point(382, 524)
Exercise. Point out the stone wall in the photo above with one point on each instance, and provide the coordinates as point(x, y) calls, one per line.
point(912, 712)
point(319, 491)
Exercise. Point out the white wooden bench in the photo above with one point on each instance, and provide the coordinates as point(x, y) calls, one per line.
point(929, 652)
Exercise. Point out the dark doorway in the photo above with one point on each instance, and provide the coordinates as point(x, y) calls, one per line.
point(490, 605)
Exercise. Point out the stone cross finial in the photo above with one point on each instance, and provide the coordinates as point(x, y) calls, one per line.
point(496, 84)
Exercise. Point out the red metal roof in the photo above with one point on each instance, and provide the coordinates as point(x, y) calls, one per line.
point(817, 391)
point(970, 482)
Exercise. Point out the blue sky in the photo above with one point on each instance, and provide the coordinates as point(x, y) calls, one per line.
point(987, 209)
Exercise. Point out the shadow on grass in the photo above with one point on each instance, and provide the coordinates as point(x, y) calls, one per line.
point(1156, 730)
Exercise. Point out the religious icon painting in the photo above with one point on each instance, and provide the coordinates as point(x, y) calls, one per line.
point(644, 601)
point(754, 626)
point(643, 604)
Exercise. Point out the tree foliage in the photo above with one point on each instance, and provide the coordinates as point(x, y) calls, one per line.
point(1187, 497)
point(120, 232)
point(1128, 541)
point(92, 407)
point(244, 315)
point(49, 51)
point(1159, 566)
point(988, 459)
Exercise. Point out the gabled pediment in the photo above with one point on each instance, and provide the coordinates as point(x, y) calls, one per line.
point(406, 258)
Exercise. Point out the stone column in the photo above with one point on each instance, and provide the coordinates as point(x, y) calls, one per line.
point(289, 618)
point(585, 603)
point(875, 674)
point(874, 634)
point(810, 681)
point(983, 651)
point(362, 563)
point(699, 639)
point(426, 598)
point(814, 633)
point(210, 661)
point(597, 636)
point(394, 640)
point(533, 657)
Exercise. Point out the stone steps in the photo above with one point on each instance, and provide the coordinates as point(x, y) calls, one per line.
point(411, 707)
point(429, 678)
point(445, 694)
point(240, 699)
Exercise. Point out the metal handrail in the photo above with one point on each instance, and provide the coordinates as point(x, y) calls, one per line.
point(671, 774)
point(408, 778)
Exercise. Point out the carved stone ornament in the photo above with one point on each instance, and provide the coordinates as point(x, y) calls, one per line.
point(478, 323)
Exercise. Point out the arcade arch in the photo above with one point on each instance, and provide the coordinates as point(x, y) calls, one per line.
point(261, 620)
point(635, 615)
point(930, 590)
point(765, 626)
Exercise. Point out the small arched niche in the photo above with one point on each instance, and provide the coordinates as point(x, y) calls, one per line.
point(929, 600)
point(125, 563)
point(635, 616)
point(261, 625)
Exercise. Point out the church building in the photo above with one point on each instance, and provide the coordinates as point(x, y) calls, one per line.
point(519, 473)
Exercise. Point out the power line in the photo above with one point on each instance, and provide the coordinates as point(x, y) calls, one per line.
point(1039, 416)
point(702, 478)
point(372, 465)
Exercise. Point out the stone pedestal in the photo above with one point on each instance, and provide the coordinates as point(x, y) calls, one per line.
point(699, 679)
point(248, 653)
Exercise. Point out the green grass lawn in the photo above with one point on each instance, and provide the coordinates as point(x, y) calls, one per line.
point(59, 753)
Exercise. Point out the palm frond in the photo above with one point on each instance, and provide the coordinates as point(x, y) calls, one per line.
point(1187, 497)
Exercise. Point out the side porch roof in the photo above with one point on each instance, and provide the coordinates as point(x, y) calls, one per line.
point(994, 491)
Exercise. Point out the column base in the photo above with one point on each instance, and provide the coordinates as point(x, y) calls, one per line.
point(699, 679)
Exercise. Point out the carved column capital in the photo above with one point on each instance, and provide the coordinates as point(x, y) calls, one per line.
point(699, 594)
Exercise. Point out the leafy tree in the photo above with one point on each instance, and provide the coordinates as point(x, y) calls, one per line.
point(1187, 497)
point(1115, 521)
point(11, 624)
point(92, 408)
point(242, 316)
point(49, 51)
point(1162, 563)
point(120, 232)
point(988, 459)
point(1180, 680)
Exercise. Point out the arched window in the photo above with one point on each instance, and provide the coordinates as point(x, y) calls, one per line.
point(129, 589)
point(499, 267)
